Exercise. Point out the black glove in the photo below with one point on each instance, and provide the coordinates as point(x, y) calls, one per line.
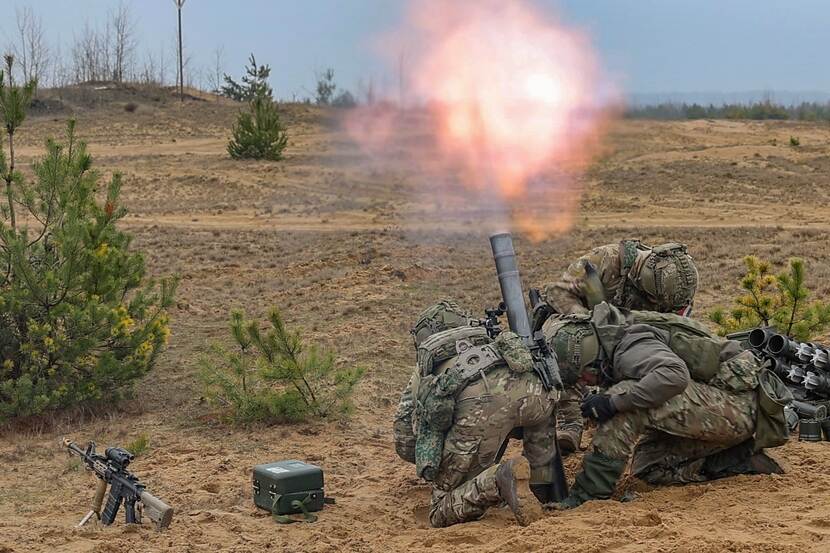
point(598, 407)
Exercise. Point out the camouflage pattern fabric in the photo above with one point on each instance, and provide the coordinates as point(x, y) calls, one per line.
point(442, 316)
point(669, 277)
point(403, 431)
point(487, 411)
point(429, 445)
point(514, 350)
point(663, 460)
point(702, 413)
point(567, 296)
point(569, 415)
point(738, 374)
point(466, 502)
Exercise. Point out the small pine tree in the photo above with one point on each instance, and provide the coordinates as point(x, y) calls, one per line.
point(325, 87)
point(78, 321)
point(276, 377)
point(780, 300)
point(254, 83)
point(258, 132)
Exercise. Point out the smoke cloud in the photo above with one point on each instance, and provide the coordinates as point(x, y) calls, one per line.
point(501, 107)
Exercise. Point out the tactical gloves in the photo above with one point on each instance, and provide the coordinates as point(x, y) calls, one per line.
point(598, 407)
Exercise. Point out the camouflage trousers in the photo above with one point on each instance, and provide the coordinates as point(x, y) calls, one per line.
point(669, 443)
point(569, 414)
point(487, 411)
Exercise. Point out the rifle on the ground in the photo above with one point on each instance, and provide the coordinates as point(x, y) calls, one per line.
point(544, 361)
point(111, 469)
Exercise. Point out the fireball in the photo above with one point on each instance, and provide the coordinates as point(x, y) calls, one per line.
point(516, 103)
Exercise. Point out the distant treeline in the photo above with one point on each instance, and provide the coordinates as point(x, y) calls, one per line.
point(806, 111)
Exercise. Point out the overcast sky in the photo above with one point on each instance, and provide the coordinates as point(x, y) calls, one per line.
point(648, 45)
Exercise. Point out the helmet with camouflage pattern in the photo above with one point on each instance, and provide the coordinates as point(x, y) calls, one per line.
point(669, 277)
point(575, 344)
point(444, 315)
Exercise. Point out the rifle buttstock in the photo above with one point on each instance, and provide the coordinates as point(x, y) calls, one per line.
point(157, 510)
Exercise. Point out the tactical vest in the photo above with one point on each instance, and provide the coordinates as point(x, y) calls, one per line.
point(628, 292)
point(689, 339)
point(699, 349)
point(447, 362)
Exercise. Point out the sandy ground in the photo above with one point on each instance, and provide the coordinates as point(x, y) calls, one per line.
point(349, 252)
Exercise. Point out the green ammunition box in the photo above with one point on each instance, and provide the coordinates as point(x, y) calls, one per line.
point(282, 486)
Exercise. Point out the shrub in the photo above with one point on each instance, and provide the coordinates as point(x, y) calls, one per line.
point(258, 133)
point(254, 83)
point(794, 141)
point(130, 107)
point(78, 323)
point(274, 376)
point(139, 446)
point(344, 100)
point(780, 300)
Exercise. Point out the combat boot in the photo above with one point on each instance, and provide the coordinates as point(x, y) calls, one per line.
point(739, 459)
point(568, 441)
point(513, 482)
point(597, 480)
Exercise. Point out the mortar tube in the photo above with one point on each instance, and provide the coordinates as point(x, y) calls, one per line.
point(510, 283)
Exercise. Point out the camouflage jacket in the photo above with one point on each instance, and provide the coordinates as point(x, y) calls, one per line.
point(567, 295)
point(663, 353)
point(643, 354)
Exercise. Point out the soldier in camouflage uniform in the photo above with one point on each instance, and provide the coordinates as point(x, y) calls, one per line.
point(682, 404)
point(459, 451)
point(631, 275)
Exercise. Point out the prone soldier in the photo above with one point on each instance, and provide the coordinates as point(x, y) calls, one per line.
point(630, 275)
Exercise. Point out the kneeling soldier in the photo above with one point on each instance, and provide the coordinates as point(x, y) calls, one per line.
point(631, 275)
point(466, 397)
point(687, 405)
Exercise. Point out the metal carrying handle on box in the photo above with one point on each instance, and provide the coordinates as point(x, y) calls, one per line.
point(301, 506)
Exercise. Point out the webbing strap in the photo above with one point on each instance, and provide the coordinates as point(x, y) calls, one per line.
point(296, 504)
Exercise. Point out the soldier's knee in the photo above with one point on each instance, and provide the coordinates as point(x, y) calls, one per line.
point(617, 437)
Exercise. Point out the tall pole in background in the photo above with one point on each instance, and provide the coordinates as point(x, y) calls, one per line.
point(179, 4)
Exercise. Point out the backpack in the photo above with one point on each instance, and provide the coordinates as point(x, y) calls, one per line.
point(689, 339)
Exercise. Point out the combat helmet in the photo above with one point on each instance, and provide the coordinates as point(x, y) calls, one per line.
point(444, 315)
point(574, 341)
point(669, 277)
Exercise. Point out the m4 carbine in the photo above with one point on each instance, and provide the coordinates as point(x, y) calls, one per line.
point(111, 469)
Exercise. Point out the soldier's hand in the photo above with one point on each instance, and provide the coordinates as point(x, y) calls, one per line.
point(598, 407)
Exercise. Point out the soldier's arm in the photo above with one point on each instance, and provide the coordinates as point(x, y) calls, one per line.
point(644, 355)
point(402, 427)
point(566, 295)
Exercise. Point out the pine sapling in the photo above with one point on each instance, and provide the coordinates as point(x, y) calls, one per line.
point(780, 300)
point(259, 133)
